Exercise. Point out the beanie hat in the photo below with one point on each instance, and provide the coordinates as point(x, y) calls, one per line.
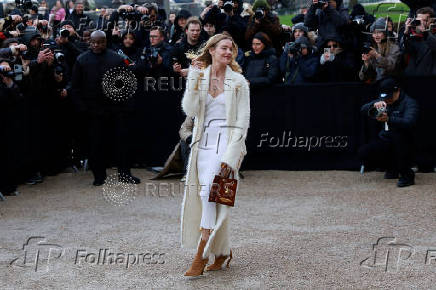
point(261, 4)
point(300, 26)
point(66, 22)
point(380, 25)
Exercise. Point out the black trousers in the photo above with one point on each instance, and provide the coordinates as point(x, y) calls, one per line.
point(393, 155)
point(109, 143)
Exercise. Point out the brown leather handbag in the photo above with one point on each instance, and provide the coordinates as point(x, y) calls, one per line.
point(223, 190)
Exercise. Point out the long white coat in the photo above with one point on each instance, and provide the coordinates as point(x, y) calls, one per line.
point(237, 102)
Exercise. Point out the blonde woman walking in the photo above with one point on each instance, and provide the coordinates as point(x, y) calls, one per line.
point(217, 95)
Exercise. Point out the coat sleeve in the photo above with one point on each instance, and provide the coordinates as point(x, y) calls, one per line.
point(389, 62)
point(409, 118)
point(191, 97)
point(236, 149)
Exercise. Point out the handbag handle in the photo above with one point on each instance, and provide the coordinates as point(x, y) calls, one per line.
point(231, 171)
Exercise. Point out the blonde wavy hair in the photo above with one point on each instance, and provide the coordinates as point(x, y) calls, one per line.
point(206, 58)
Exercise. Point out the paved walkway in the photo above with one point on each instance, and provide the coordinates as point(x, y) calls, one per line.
point(308, 230)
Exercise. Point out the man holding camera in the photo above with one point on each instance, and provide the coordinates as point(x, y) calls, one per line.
point(159, 53)
point(264, 21)
point(298, 64)
point(394, 146)
point(327, 17)
point(419, 44)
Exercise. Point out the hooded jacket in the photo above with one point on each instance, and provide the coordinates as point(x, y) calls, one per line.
point(178, 31)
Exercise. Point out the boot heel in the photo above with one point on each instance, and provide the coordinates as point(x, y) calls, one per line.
point(230, 258)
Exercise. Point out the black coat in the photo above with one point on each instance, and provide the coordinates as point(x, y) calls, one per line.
point(403, 115)
point(420, 56)
point(87, 92)
point(342, 69)
point(179, 50)
point(261, 69)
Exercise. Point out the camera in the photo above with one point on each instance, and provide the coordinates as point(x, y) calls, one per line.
point(64, 32)
point(16, 73)
point(259, 14)
point(366, 48)
point(293, 47)
point(321, 3)
point(375, 113)
point(130, 15)
point(59, 55)
point(358, 19)
point(24, 4)
point(22, 25)
point(125, 57)
point(228, 6)
point(152, 54)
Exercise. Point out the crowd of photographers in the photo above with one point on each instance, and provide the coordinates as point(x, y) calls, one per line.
point(41, 45)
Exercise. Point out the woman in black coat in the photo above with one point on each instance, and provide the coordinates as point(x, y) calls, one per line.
point(261, 66)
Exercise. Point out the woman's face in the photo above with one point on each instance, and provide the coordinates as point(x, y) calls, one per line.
point(378, 36)
point(390, 26)
point(257, 46)
point(58, 4)
point(128, 40)
point(222, 52)
point(210, 29)
point(181, 22)
point(298, 33)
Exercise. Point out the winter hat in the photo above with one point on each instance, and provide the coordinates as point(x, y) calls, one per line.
point(300, 26)
point(66, 22)
point(263, 38)
point(261, 4)
point(380, 25)
point(358, 9)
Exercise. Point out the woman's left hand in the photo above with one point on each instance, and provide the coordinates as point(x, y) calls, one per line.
point(225, 170)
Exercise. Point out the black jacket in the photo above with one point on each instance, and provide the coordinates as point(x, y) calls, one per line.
point(420, 55)
point(261, 69)
point(403, 115)
point(179, 50)
point(87, 92)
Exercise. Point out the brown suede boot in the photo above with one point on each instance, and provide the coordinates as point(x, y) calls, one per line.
point(198, 264)
point(219, 261)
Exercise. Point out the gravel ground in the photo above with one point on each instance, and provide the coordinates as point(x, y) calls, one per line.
point(299, 230)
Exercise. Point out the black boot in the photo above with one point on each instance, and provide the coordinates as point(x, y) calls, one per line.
point(127, 177)
point(406, 179)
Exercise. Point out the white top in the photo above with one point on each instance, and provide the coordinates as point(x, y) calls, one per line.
point(215, 109)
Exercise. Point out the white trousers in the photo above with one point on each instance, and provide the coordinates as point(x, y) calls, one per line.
point(211, 149)
point(208, 213)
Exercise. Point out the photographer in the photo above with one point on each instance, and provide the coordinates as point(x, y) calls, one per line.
point(227, 17)
point(8, 26)
point(264, 21)
point(414, 5)
point(68, 41)
point(190, 43)
point(326, 17)
point(178, 28)
point(79, 19)
point(419, 44)
point(11, 130)
point(261, 66)
point(159, 53)
point(381, 57)
point(336, 63)
point(298, 63)
point(394, 145)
